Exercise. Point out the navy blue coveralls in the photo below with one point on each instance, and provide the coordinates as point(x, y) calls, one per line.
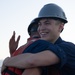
point(64, 50)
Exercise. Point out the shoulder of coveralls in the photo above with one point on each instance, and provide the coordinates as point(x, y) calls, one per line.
point(69, 49)
point(40, 41)
point(64, 50)
point(37, 46)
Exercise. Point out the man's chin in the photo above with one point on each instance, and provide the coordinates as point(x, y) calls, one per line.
point(44, 39)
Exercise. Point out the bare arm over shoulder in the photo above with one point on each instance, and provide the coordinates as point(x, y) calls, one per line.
point(29, 60)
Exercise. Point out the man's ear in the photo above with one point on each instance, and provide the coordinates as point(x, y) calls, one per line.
point(61, 27)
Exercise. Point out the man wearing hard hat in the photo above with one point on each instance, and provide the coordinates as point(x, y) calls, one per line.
point(59, 59)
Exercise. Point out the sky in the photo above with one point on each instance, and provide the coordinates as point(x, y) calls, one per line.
point(16, 15)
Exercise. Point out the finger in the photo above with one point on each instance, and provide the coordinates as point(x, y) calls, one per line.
point(13, 34)
point(12, 39)
point(18, 39)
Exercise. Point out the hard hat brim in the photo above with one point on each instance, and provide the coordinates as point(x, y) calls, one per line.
point(39, 18)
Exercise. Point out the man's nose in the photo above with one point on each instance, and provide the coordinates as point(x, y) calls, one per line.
point(43, 27)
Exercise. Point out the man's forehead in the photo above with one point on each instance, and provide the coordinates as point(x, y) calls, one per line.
point(46, 20)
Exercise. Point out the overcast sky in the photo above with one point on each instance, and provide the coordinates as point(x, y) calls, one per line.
point(15, 15)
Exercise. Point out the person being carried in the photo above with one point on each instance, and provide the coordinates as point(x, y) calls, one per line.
point(32, 31)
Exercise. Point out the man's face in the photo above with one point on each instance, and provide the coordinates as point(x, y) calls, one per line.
point(49, 29)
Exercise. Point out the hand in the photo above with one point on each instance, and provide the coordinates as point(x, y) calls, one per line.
point(13, 44)
point(3, 68)
point(3, 65)
point(6, 60)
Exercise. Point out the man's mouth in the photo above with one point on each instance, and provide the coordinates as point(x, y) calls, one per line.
point(43, 34)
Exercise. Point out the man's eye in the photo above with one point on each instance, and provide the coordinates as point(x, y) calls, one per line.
point(47, 23)
point(39, 24)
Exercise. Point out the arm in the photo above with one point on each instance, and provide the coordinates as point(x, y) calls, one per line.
point(27, 60)
point(32, 71)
